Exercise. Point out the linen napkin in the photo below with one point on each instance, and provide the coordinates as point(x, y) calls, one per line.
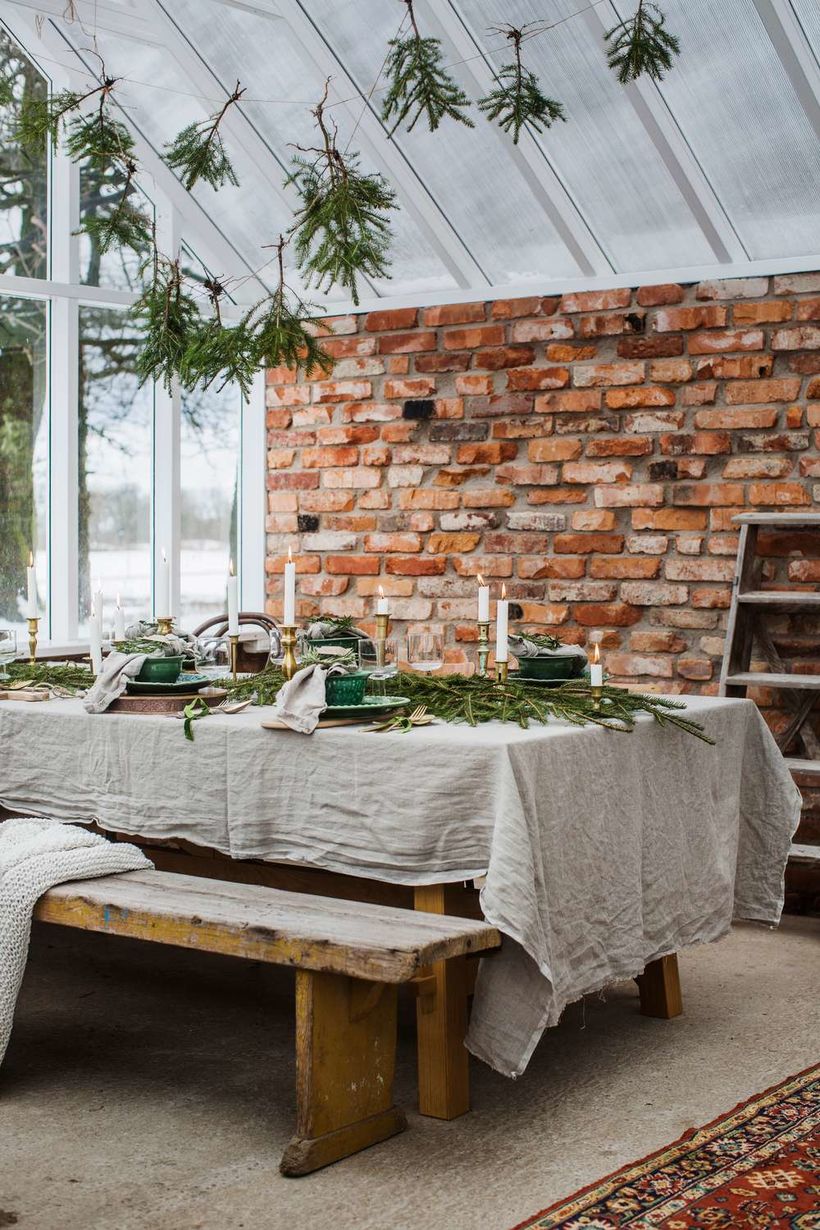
point(117, 669)
point(523, 648)
point(301, 701)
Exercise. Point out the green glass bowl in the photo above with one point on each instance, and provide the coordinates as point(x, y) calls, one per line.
point(345, 689)
point(558, 667)
point(161, 670)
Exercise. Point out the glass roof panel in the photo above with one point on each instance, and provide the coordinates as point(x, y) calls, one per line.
point(739, 112)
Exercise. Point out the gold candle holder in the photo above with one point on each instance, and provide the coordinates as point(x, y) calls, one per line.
point(483, 648)
point(289, 663)
point(382, 628)
point(233, 637)
point(501, 669)
point(165, 625)
point(33, 625)
point(597, 691)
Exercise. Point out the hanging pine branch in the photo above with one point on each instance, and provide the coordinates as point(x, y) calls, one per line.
point(198, 152)
point(341, 231)
point(518, 98)
point(285, 332)
point(219, 352)
point(641, 45)
point(119, 223)
point(169, 319)
point(420, 84)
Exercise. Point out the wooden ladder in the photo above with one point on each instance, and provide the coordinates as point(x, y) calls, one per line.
point(751, 604)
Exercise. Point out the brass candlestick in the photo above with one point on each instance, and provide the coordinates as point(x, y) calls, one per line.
point(233, 637)
point(483, 648)
point(165, 625)
point(289, 663)
point(596, 690)
point(382, 627)
point(32, 639)
point(501, 669)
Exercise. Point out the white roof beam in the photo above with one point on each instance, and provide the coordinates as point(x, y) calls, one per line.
point(413, 193)
point(789, 40)
point(530, 157)
point(653, 111)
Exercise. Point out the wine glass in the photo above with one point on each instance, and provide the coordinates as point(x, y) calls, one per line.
point(380, 659)
point(425, 651)
point(213, 657)
point(8, 649)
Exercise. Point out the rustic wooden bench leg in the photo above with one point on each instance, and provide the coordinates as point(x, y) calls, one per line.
point(659, 988)
point(345, 1061)
point(443, 1061)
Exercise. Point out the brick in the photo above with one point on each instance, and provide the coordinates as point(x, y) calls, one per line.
point(657, 347)
point(735, 367)
point(495, 358)
point(805, 338)
point(702, 394)
point(653, 593)
point(647, 544)
point(451, 544)
point(631, 399)
point(421, 454)
point(404, 476)
point(327, 501)
point(395, 318)
point(342, 324)
point(407, 343)
point(586, 544)
point(611, 614)
point(593, 519)
point(779, 494)
point(700, 569)
point(551, 449)
point(711, 599)
point(472, 339)
point(352, 368)
point(347, 435)
point(357, 476)
point(590, 375)
point(515, 542)
point(728, 339)
point(668, 519)
point(639, 664)
point(670, 371)
point(429, 499)
point(708, 494)
point(539, 522)
point(556, 330)
point(629, 569)
point(323, 587)
point(404, 543)
point(741, 392)
point(349, 347)
point(329, 540)
point(685, 618)
point(454, 431)
point(415, 565)
point(797, 284)
point(280, 458)
point(762, 313)
point(671, 320)
point(562, 352)
point(526, 475)
point(595, 300)
point(557, 495)
point(409, 388)
point(757, 467)
point(609, 324)
point(581, 591)
point(275, 564)
point(484, 565)
point(596, 472)
point(282, 501)
point(452, 361)
point(629, 495)
point(508, 309)
point(453, 314)
point(661, 421)
point(449, 407)
point(473, 385)
point(695, 668)
point(277, 395)
point(490, 453)
point(706, 442)
point(619, 446)
point(810, 467)
point(292, 481)
point(658, 296)
point(656, 642)
point(733, 288)
point(371, 412)
point(538, 568)
point(312, 416)
point(341, 390)
point(493, 498)
point(570, 401)
point(522, 429)
point(344, 455)
point(730, 420)
point(807, 570)
point(501, 404)
point(393, 587)
point(468, 521)
point(534, 379)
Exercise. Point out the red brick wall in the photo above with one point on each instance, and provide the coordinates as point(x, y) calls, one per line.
point(589, 450)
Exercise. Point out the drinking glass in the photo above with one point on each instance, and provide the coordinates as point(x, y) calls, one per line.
point(381, 661)
point(425, 651)
point(213, 657)
point(8, 649)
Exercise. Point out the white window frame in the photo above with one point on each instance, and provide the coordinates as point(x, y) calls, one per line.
point(64, 294)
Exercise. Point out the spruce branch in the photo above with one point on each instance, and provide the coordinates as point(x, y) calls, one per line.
point(169, 319)
point(219, 352)
point(286, 334)
point(641, 45)
point(341, 230)
point(518, 98)
point(198, 151)
point(120, 223)
point(420, 84)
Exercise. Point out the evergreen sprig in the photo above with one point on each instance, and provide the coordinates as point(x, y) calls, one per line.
point(342, 231)
point(420, 84)
point(219, 352)
point(198, 151)
point(641, 45)
point(169, 318)
point(40, 118)
point(120, 223)
point(518, 98)
point(285, 332)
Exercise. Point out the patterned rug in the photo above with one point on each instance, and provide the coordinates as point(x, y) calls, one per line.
point(757, 1168)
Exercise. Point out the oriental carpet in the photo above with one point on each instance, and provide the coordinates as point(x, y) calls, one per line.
point(755, 1168)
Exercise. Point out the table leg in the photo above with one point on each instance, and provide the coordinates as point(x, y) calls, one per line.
point(659, 988)
point(345, 1062)
point(443, 1060)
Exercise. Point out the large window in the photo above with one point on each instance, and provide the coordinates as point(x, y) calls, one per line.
point(99, 474)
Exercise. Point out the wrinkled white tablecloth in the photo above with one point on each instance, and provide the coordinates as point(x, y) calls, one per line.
point(601, 851)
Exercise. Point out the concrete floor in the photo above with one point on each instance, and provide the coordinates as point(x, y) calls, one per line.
point(152, 1089)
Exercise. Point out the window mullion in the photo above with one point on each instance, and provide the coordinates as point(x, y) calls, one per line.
point(166, 519)
point(252, 499)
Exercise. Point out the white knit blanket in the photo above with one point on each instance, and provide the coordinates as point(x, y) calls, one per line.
point(34, 856)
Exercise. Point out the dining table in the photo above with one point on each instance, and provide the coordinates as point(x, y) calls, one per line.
point(594, 852)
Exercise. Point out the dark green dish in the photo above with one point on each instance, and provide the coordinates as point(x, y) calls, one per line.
point(161, 670)
point(371, 708)
point(345, 689)
point(182, 685)
point(558, 668)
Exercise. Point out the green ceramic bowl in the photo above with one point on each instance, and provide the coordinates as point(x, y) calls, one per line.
point(161, 670)
point(345, 689)
point(564, 667)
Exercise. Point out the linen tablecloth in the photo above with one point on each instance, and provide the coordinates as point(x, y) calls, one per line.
point(601, 851)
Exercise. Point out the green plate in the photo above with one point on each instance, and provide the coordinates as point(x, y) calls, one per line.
point(371, 707)
point(545, 683)
point(185, 683)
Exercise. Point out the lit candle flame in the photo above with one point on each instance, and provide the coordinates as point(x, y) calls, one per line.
point(230, 568)
point(31, 559)
point(290, 556)
point(381, 591)
point(119, 604)
point(503, 591)
point(480, 579)
point(596, 653)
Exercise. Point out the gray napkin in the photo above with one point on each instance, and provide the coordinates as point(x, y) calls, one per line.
point(117, 669)
point(522, 648)
point(300, 702)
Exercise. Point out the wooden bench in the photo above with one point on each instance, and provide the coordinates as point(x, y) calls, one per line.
point(349, 957)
